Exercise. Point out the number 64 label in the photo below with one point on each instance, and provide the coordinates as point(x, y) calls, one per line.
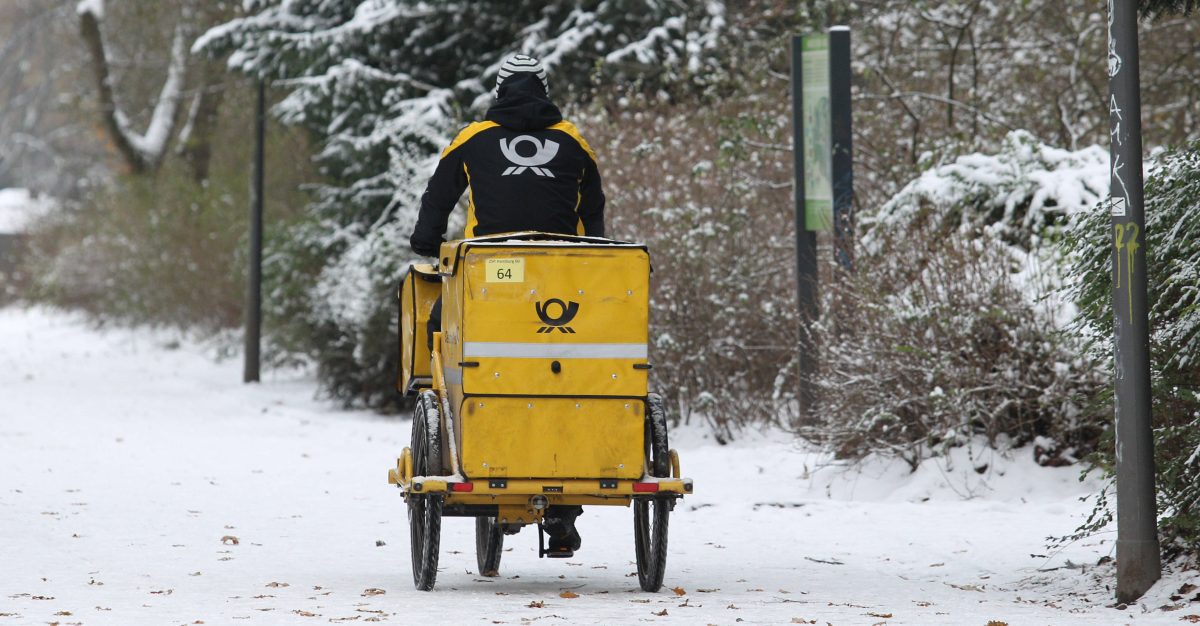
point(505, 270)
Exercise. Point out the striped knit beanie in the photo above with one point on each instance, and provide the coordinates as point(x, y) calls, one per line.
point(521, 63)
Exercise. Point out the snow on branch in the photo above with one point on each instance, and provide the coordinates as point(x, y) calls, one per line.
point(142, 151)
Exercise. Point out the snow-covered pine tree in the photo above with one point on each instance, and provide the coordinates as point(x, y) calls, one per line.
point(382, 85)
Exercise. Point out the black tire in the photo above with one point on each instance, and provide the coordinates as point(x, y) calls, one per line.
point(425, 511)
point(658, 453)
point(489, 546)
point(651, 517)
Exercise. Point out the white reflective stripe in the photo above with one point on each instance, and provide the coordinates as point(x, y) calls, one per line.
point(555, 350)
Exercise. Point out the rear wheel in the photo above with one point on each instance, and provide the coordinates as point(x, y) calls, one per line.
point(651, 517)
point(658, 454)
point(425, 511)
point(489, 545)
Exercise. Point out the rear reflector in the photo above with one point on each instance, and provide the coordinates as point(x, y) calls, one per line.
point(645, 487)
point(462, 486)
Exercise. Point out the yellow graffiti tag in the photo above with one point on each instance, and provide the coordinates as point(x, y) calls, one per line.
point(1126, 238)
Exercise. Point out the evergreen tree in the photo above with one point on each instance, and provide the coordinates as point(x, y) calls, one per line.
point(1173, 302)
point(382, 85)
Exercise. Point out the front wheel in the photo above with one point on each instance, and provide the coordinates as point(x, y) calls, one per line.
point(651, 517)
point(424, 510)
point(489, 545)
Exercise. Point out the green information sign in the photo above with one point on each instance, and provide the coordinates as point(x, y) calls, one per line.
point(818, 152)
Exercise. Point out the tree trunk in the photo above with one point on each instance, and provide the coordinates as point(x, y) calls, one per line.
point(90, 30)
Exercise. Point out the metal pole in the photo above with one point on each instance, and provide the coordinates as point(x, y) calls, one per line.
point(1138, 562)
point(806, 246)
point(250, 371)
point(842, 158)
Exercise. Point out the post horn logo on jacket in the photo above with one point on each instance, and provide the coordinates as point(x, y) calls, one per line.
point(523, 168)
point(545, 152)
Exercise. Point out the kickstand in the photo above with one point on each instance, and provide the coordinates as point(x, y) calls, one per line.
point(541, 541)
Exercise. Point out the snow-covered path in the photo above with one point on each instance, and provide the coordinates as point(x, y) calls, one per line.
point(125, 460)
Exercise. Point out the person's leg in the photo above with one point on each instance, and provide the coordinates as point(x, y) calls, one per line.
point(435, 323)
point(560, 525)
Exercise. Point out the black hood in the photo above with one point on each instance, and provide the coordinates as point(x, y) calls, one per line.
point(523, 105)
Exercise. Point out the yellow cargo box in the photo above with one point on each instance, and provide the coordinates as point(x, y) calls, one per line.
point(544, 345)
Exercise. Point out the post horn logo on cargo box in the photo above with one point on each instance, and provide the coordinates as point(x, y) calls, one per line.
point(566, 313)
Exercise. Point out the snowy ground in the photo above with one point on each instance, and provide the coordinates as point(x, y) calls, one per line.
point(126, 458)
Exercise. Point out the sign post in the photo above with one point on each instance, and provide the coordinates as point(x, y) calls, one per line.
point(1138, 561)
point(824, 187)
point(806, 240)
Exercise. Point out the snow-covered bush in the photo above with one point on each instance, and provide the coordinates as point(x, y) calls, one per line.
point(382, 86)
point(1172, 194)
point(951, 325)
point(711, 198)
point(161, 249)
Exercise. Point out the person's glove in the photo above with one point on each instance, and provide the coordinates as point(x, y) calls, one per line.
point(425, 248)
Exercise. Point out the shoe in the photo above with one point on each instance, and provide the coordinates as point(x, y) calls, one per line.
point(564, 539)
point(559, 552)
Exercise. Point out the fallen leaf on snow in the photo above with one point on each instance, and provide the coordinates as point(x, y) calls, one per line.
point(275, 584)
point(883, 615)
point(996, 622)
point(379, 543)
point(42, 598)
point(163, 592)
point(661, 613)
point(1195, 619)
point(801, 620)
point(345, 619)
point(679, 591)
point(229, 540)
point(568, 594)
point(536, 604)
point(305, 613)
point(708, 590)
point(64, 613)
point(373, 592)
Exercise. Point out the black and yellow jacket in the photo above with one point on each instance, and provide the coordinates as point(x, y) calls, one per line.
point(524, 168)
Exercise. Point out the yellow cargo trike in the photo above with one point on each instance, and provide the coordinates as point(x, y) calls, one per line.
point(534, 394)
